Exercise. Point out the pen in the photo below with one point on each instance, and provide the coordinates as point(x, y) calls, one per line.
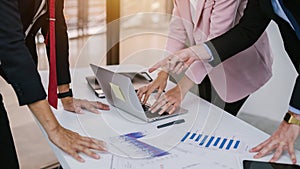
point(171, 123)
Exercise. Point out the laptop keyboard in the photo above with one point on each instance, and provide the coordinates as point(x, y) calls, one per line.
point(145, 107)
point(149, 114)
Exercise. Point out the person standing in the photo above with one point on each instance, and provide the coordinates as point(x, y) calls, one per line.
point(35, 17)
point(18, 69)
point(257, 16)
point(221, 85)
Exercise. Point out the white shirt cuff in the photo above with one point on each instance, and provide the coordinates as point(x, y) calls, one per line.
point(294, 110)
point(209, 52)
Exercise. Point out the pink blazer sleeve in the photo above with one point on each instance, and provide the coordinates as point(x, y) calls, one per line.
point(177, 32)
point(220, 19)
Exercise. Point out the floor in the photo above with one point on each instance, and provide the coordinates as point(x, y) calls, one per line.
point(137, 44)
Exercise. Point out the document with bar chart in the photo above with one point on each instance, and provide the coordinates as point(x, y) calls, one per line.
point(214, 142)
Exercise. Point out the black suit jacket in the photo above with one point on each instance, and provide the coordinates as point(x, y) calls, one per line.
point(28, 10)
point(257, 16)
point(16, 64)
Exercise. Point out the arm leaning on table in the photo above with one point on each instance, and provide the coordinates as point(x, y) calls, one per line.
point(258, 15)
point(18, 69)
point(27, 10)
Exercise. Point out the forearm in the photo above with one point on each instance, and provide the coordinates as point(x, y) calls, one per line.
point(294, 102)
point(44, 115)
point(163, 74)
point(242, 36)
point(185, 84)
point(63, 88)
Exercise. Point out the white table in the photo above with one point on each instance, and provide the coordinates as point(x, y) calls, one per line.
point(202, 119)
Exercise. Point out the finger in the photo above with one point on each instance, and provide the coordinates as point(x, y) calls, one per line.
point(78, 109)
point(158, 94)
point(101, 144)
point(141, 92)
point(91, 107)
point(85, 149)
point(158, 104)
point(172, 64)
point(266, 150)
point(180, 69)
point(259, 147)
point(169, 107)
point(102, 106)
point(155, 67)
point(93, 110)
point(173, 109)
point(147, 92)
point(146, 97)
point(278, 152)
point(177, 66)
point(164, 109)
point(75, 155)
point(291, 151)
point(175, 106)
point(93, 143)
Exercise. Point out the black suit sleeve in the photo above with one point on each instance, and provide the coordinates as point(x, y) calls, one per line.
point(258, 14)
point(243, 35)
point(62, 44)
point(17, 66)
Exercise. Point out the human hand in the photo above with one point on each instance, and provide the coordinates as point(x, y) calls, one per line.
point(73, 144)
point(158, 84)
point(168, 102)
point(283, 139)
point(182, 59)
point(76, 105)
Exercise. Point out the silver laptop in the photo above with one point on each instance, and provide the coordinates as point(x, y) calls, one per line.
point(119, 92)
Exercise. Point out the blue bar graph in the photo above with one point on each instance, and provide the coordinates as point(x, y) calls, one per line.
point(229, 144)
point(207, 141)
point(203, 141)
point(217, 141)
point(198, 138)
point(186, 135)
point(236, 144)
point(223, 143)
point(210, 140)
point(193, 136)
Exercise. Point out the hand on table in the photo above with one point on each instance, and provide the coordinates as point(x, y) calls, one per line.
point(182, 59)
point(73, 144)
point(158, 84)
point(76, 105)
point(283, 139)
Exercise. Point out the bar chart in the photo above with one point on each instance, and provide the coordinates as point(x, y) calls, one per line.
point(134, 148)
point(211, 141)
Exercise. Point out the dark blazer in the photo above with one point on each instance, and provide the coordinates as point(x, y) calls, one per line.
point(16, 65)
point(258, 15)
point(34, 15)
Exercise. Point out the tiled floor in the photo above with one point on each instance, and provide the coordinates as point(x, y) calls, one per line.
point(137, 45)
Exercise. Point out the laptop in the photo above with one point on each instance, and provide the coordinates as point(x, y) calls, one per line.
point(120, 93)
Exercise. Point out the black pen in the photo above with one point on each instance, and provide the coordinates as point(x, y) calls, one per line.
point(171, 123)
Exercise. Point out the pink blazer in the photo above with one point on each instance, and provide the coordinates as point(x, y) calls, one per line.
point(236, 77)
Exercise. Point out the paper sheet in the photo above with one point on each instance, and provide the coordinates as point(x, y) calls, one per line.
point(117, 91)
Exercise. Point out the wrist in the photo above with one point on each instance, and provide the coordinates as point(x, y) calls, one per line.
point(66, 94)
point(163, 75)
point(201, 52)
point(44, 115)
point(292, 118)
point(297, 116)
